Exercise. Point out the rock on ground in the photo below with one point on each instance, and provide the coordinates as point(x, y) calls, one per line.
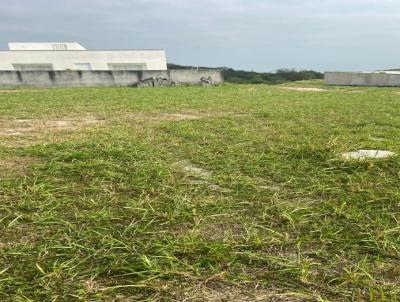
point(362, 154)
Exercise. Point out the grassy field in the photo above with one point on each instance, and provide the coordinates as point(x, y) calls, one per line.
point(232, 193)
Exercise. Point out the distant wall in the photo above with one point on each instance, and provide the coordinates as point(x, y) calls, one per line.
point(103, 78)
point(362, 79)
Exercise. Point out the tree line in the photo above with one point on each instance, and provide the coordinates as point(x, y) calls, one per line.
point(251, 77)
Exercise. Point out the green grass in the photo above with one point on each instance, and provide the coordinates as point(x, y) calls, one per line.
point(232, 193)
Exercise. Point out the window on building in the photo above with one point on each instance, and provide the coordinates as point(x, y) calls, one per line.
point(60, 47)
point(127, 66)
point(33, 67)
point(82, 66)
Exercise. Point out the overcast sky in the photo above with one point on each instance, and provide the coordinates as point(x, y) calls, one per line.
point(261, 35)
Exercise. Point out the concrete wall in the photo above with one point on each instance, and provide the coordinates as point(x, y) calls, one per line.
point(44, 46)
point(362, 79)
point(182, 76)
point(11, 79)
point(99, 60)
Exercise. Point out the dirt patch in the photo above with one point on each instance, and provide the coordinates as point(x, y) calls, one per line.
point(14, 165)
point(213, 290)
point(251, 89)
point(195, 171)
point(305, 89)
point(203, 293)
point(8, 91)
point(166, 116)
point(20, 127)
point(267, 184)
point(221, 228)
point(19, 90)
point(196, 175)
point(356, 91)
point(142, 118)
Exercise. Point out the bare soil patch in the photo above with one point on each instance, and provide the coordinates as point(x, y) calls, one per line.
point(196, 175)
point(143, 118)
point(20, 127)
point(166, 116)
point(251, 89)
point(194, 171)
point(213, 290)
point(305, 89)
point(356, 91)
point(8, 90)
point(14, 165)
point(19, 90)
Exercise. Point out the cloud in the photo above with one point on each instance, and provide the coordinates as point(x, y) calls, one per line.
point(257, 34)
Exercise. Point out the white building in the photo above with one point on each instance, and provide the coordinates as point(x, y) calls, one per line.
point(72, 56)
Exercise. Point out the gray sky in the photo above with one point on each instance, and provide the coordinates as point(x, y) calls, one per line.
point(260, 35)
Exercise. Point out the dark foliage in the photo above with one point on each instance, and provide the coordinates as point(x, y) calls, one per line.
point(252, 77)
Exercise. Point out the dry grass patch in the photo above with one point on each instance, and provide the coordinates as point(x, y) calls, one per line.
point(23, 132)
point(164, 116)
point(193, 171)
point(20, 90)
point(9, 90)
point(14, 165)
point(195, 175)
point(356, 91)
point(213, 290)
point(15, 127)
point(222, 227)
point(160, 117)
point(305, 89)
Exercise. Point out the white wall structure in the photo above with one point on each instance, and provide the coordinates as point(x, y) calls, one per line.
point(72, 56)
point(46, 46)
point(373, 79)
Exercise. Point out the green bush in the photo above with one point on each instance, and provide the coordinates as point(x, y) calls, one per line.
point(251, 77)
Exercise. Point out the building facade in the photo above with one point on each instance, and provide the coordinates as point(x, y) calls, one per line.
point(73, 56)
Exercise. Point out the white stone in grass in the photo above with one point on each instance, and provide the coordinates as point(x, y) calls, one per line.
point(363, 154)
point(195, 171)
